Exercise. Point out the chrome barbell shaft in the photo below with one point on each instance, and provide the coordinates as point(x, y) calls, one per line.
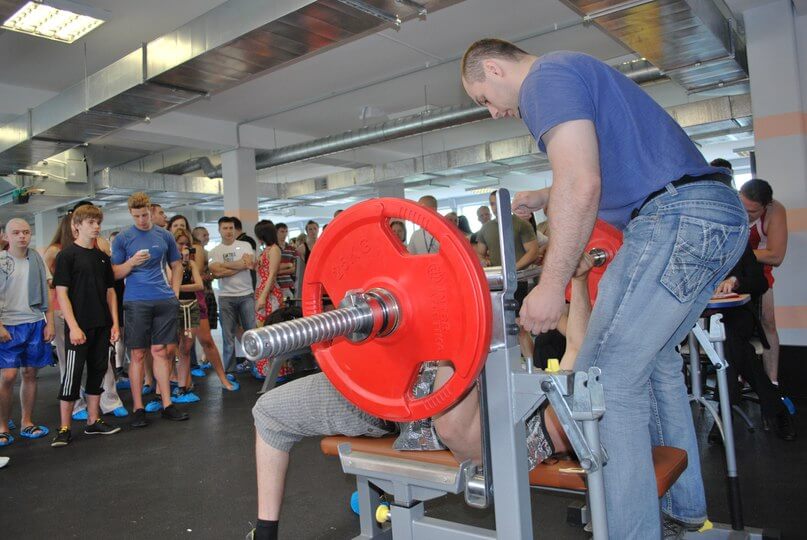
point(276, 339)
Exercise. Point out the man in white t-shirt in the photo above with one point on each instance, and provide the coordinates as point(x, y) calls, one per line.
point(423, 242)
point(231, 262)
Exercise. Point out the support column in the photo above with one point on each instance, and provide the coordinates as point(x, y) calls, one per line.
point(240, 183)
point(45, 224)
point(777, 60)
point(392, 189)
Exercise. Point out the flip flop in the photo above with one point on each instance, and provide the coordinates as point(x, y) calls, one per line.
point(6, 439)
point(29, 432)
point(11, 424)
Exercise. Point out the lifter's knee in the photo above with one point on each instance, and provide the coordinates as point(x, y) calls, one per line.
point(463, 440)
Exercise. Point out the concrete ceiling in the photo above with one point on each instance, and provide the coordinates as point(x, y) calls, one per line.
point(393, 72)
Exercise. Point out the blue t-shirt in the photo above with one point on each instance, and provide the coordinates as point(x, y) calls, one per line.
point(147, 281)
point(641, 147)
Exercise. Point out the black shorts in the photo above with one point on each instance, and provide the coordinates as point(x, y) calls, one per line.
point(95, 354)
point(150, 322)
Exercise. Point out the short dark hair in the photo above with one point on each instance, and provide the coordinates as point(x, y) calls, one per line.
point(758, 190)
point(720, 162)
point(237, 223)
point(261, 223)
point(484, 49)
point(227, 219)
point(266, 233)
point(312, 222)
point(281, 226)
point(463, 225)
point(177, 218)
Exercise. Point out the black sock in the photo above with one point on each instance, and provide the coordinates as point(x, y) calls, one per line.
point(266, 530)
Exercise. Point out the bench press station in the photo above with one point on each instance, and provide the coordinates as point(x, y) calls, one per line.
point(462, 315)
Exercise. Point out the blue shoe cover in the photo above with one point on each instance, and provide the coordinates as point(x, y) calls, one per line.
point(80, 415)
point(154, 406)
point(120, 412)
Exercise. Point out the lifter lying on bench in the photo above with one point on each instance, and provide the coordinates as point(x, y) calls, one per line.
point(311, 407)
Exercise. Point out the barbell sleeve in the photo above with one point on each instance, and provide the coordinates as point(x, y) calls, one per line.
point(276, 339)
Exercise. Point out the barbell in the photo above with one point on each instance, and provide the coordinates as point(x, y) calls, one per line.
point(397, 310)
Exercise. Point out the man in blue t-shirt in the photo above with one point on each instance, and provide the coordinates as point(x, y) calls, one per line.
point(617, 154)
point(141, 254)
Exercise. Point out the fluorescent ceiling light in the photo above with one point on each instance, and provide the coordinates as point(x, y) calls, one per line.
point(62, 21)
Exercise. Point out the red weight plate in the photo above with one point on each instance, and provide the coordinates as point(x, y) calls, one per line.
point(608, 238)
point(444, 301)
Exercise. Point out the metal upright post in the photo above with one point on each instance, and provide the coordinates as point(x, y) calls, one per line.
point(507, 434)
point(596, 483)
point(717, 333)
point(694, 368)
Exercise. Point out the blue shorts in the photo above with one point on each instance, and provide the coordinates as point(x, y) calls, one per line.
point(27, 347)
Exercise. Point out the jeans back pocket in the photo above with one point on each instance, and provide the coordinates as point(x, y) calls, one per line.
point(701, 249)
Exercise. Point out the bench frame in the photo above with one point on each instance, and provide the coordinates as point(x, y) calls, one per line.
point(509, 394)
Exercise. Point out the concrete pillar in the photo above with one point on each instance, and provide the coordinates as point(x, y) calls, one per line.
point(240, 182)
point(392, 189)
point(45, 224)
point(777, 58)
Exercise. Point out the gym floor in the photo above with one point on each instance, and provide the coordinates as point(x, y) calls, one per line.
point(196, 479)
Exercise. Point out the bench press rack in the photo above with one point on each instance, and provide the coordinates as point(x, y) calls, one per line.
point(509, 393)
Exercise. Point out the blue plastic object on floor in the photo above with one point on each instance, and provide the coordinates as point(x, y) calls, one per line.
point(123, 384)
point(231, 377)
point(120, 412)
point(154, 406)
point(198, 372)
point(257, 374)
point(206, 365)
point(80, 415)
point(354, 502)
point(147, 389)
point(187, 397)
point(791, 408)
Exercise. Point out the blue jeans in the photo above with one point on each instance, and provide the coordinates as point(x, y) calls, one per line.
point(673, 257)
point(234, 311)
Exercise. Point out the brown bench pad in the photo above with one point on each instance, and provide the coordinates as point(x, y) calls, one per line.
point(668, 462)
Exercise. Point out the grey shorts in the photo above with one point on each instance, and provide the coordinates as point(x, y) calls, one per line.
point(150, 322)
point(311, 407)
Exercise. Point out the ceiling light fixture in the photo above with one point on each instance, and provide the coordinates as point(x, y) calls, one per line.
point(59, 20)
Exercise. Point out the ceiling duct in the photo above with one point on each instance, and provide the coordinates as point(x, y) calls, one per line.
point(485, 162)
point(226, 46)
point(416, 124)
point(188, 166)
point(689, 40)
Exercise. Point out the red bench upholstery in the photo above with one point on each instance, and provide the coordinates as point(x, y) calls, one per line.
point(669, 462)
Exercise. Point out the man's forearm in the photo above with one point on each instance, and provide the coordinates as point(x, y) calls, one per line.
point(122, 270)
point(112, 303)
point(530, 256)
point(67, 308)
point(176, 276)
point(572, 214)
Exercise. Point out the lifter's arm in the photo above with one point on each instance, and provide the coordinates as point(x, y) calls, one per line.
point(579, 312)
